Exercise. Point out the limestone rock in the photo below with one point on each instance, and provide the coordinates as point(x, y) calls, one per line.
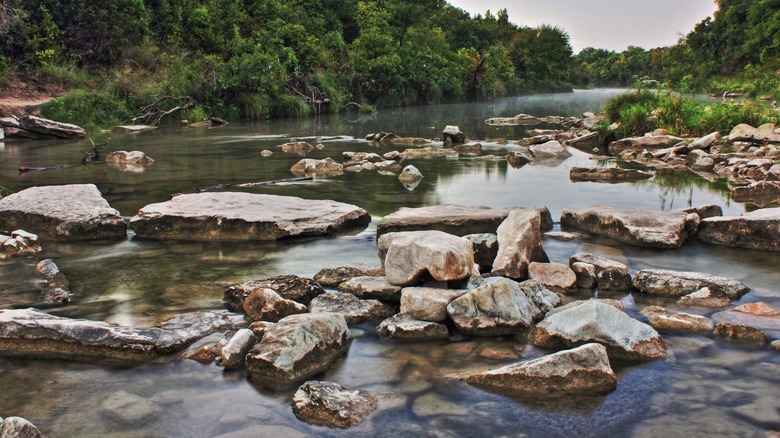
point(324, 167)
point(661, 318)
point(404, 327)
point(429, 152)
point(50, 127)
point(485, 248)
point(741, 332)
point(299, 346)
point(410, 174)
point(501, 306)
point(554, 276)
point(759, 315)
point(607, 174)
point(233, 353)
point(407, 256)
point(742, 132)
point(638, 144)
point(299, 148)
point(453, 134)
point(68, 212)
point(331, 405)
point(290, 287)
point(426, 303)
point(668, 283)
point(459, 220)
point(760, 193)
point(353, 309)
point(244, 216)
point(133, 129)
point(518, 159)
point(17, 427)
point(585, 273)
point(263, 304)
point(759, 229)
point(332, 277)
point(132, 157)
point(377, 288)
point(584, 370)
point(520, 119)
point(704, 142)
point(361, 156)
point(32, 333)
point(549, 150)
point(19, 244)
point(708, 296)
point(593, 321)
point(655, 229)
point(519, 244)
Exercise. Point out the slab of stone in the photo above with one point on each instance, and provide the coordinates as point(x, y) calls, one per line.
point(410, 174)
point(352, 308)
point(368, 288)
point(742, 132)
point(607, 174)
point(501, 306)
point(51, 127)
point(554, 276)
point(520, 119)
point(608, 301)
point(32, 333)
point(654, 229)
point(332, 277)
point(667, 283)
point(459, 220)
point(263, 304)
point(68, 212)
point(297, 148)
point(132, 157)
point(330, 404)
point(403, 327)
point(236, 216)
point(760, 193)
point(650, 143)
point(298, 346)
point(325, 167)
point(757, 315)
point(518, 159)
point(408, 256)
point(290, 287)
point(549, 150)
point(593, 321)
point(759, 229)
point(519, 244)
point(584, 370)
point(660, 318)
point(427, 303)
point(132, 129)
point(741, 332)
point(429, 152)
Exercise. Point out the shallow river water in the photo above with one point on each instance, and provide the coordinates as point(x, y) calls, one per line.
point(707, 387)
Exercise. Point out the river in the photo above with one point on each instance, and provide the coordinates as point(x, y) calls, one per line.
point(707, 387)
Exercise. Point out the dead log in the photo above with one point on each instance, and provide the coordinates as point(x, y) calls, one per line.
point(153, 113)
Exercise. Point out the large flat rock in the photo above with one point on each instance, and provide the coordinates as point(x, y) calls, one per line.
point(666, 283)
point(459, 220)
point(654, 229)
point(758, 229)
point(32, 333)
point(67, 212)
point(244, 216)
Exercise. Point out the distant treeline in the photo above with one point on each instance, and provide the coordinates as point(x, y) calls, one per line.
point(738, 50)
point(270, 58)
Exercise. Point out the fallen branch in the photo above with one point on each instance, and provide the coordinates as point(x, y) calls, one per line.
point(253, 184)
point(93, 155)
point(152, 114)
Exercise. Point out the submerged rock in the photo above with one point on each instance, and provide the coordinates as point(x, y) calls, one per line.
point(407, 256)
point(19, 244)
point(759, 315)
point(32, 333)
point(584, 370)
point(404, 327)
point(518, 159)
point(129, 409)
point(299, 346)
point(332, 277)
point(353, 309)
point(759, 229)
point(331, 405)
point(244, 216)
point(651, 143)
point(459, 220)
point(519, 244)
point(607, 174)
point(741, 332)
point(668, 283)
point(324, 167)
point(594, 321)
point(501, 306)
point(655, 229)
point(132, 157)
point(68, 212)
point(299, 148)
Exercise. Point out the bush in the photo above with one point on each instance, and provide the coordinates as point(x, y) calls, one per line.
point(90, 109)
point(644, 98)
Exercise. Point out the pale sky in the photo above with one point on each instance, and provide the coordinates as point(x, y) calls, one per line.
point(607, 24)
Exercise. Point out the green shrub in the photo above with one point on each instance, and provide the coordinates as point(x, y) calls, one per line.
point(90, 109)
point(640, 97)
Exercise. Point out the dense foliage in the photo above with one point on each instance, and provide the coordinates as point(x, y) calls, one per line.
point(265, 58)
point(737, 50)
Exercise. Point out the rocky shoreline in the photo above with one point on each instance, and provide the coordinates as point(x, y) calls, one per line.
point(444, 272)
